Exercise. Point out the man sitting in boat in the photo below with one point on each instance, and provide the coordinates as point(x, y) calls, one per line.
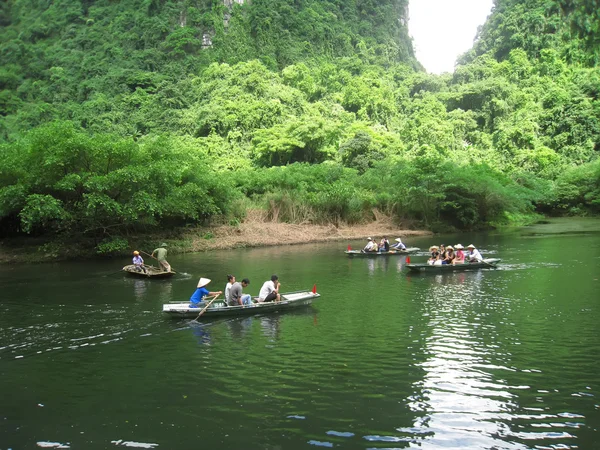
point(237, 297)
point(460, 255)
point(384, 245)
point(138, 262)
point(371, 246)
point(398, 245)
point(270, 290)
point(473, 254)
point(197, 298)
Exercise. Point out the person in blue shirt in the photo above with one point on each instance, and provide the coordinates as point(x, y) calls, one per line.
point(201, 292)
point(138, 262)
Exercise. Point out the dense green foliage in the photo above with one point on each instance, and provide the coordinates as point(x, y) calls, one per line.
point(117, 116)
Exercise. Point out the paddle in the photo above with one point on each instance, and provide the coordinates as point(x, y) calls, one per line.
point(148, 254)
point(205, 308)
point(487, 263)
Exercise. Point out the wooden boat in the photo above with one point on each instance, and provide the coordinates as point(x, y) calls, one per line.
point(490, 263)
point(219, 309)
point(151, 272)
point(392, 252)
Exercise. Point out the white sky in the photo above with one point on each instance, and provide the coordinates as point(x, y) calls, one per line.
point(444, 29)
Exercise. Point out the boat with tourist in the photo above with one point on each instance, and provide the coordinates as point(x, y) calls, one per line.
point(151, 272)
point(490, 263)
point(288, 301)
point(362, 253)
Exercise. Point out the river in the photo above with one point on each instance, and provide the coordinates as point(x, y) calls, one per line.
point(503, 359)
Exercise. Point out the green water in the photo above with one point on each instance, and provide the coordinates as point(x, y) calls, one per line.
point(506, 358)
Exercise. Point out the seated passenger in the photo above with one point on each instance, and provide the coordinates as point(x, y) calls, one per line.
point(270, 290)
point(450, 256)
point(230, 281)
point(473, 254)
point(434, 255)
point(138, 262)
point(442, 251)
point(398, 245)
point(460, 255)
point(236, 297)
point(384, 245)
point(370, 245)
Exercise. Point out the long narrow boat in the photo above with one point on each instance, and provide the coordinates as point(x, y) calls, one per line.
point(151, 272)
point(219, 309)
point(490, 263)
point(361, 253)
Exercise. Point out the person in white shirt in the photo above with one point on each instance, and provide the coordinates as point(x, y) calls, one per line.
point(371, 246)
point(270, 290)
point(230, 281)
point(399, 245)
point(473, 254)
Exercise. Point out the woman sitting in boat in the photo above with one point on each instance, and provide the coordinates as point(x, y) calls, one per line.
point(460, 255)
point(450, 256)
point(398, 245)
point(201, 292)
point(434, 255)
point(384, 245)
point(442, 251)
point(138, 262)
point(473, 254)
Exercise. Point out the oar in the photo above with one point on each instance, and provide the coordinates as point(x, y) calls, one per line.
point(148, 254)
point(485, 262)
point(205, 308)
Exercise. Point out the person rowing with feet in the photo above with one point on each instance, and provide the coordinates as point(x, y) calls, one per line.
point(473, 254)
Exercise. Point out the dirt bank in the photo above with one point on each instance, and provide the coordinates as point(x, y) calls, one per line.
point(252, 233)
point(257, 234)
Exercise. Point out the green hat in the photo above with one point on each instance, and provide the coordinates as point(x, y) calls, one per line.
point(163, 245)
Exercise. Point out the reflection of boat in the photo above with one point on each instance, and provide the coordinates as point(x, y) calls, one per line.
point(408, 250)
point(152, 272)
point(486, 264)
point(288, 301)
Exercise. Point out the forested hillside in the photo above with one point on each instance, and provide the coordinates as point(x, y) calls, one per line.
point(136, 115)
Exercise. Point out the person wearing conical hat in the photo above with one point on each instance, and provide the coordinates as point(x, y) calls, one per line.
point(161, 256)
point(138, 262)
point(201, 292)
point(473, 254)
point(398, 245)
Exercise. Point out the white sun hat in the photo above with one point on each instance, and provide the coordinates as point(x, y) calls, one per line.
point(458, 247)
point(369, 239)
point(203, 282)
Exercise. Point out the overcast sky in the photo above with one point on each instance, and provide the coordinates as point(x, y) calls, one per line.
point(443, 29)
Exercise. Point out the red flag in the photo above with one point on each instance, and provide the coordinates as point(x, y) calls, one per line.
point(349, 247)
point(314, 291)
point(408, 260)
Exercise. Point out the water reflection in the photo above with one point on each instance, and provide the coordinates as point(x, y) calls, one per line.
point(458, 399)
point(139, 289)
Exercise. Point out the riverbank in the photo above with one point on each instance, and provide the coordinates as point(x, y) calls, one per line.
point(223, 237)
